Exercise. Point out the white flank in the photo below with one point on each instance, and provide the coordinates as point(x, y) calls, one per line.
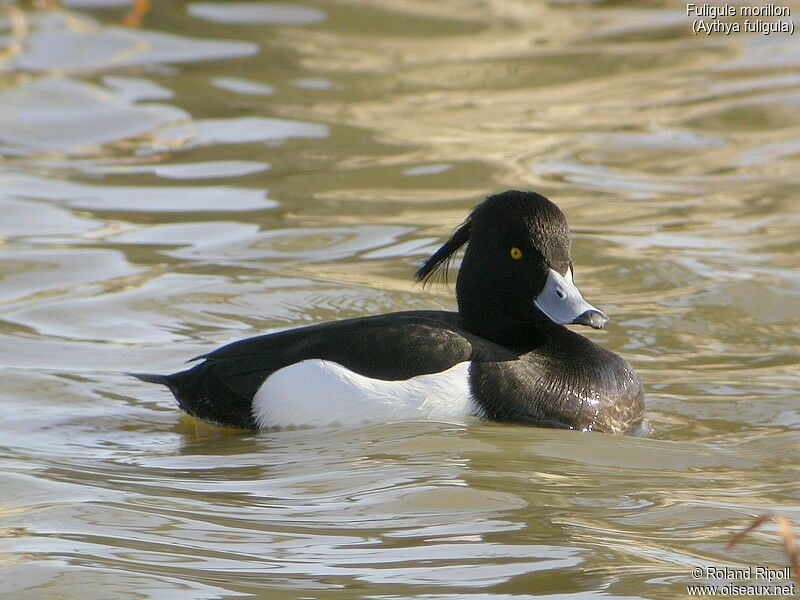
point(321, 392)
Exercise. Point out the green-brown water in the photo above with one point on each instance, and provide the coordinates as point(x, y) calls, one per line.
point(228, 169)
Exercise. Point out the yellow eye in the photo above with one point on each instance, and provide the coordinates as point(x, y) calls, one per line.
point(516, 253)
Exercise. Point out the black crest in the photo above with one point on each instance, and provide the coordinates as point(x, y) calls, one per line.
point(439, 263)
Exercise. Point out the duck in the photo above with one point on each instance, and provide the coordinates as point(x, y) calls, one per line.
point(506, 354)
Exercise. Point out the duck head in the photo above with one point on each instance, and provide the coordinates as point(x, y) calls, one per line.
point(516, 272)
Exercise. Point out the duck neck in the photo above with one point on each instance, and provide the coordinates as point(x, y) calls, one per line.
point(509, 332)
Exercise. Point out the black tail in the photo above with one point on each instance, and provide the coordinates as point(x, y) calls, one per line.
point(203, 394)
point(151, 378)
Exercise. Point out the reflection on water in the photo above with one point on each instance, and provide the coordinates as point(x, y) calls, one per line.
point(249, 13)
point(230, 168)
point(31, 126)
point(53, 41)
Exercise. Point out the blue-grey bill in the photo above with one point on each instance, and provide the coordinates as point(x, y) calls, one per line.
point(562, 302)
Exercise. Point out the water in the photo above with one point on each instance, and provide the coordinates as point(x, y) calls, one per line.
point(232, 168)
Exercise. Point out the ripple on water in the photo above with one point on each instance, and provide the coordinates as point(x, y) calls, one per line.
point(77, 43)
point(217, 169)
point(243, 86)
point(302, 243)
point(153, 309)
point(30, 124)
point(99, 197)
point(260, 13)
point(40, 219)
point(42, 272)
point(136, 89)
point(238, 130)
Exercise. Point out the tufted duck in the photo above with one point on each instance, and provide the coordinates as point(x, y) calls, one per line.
point(505, 355)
